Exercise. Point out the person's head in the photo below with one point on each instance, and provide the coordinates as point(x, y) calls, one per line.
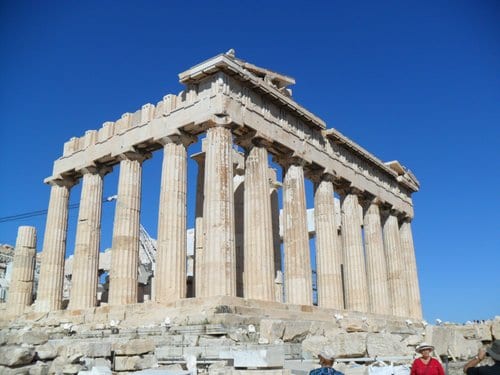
point(494, 350)
point(326, 358)
point(424, 350)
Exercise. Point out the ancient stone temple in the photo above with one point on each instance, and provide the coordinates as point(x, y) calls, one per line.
point(245, 116)
point(262, 283)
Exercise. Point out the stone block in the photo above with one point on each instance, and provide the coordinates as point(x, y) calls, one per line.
point(413, 340)
point(166, 353)
point(70, 146)
point(72, 368)
point(208, 341)
point(39, 368)
point(272, 329)
point(97, 370)
point(3, 336)
point(349, 344)
point(84, 348)
point(169, 103)
point(313, 345)
point(90, 138)
point(480, 332)
point(263, 358)
point(448, 340)
point(385, 345)
point(189, 340)
point(136, 118)
point(296, 331)
point(213, 351)
point(135, 362)
point(16, 356)
point(56, 367)
point(495, 328)
point(15, 371)
point(134, 347)
point(175, 340)
point(34, 338)
point(46, 351)
point(147, 113)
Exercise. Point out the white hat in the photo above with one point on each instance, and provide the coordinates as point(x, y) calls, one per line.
point(326, 354)
point(423, 346)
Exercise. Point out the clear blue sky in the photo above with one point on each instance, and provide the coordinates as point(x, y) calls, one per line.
point(413, 81)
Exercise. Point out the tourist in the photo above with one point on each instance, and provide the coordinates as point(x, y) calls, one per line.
point(426, 365)
point(326, 362)
point(494, 352)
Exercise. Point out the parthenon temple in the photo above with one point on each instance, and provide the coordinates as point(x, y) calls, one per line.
point(364, 258)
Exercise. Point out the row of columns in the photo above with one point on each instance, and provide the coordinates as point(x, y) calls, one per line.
point(364, 276)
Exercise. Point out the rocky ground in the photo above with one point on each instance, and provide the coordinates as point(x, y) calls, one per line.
point(221, 336)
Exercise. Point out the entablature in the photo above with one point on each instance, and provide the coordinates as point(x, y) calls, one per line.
point(222, 90)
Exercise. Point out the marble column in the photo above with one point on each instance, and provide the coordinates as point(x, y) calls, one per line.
point(355, 283)
point(199, 235)
point(218, 276)
point(258, 247)
point(170, 272)
point(88, 238)
point(239, 226)
point(50, 282)
point(275, 220)
point(395, 267)
point(328, 257)
point(23, 271)
point(408, 250)
point(376, 271)
point(298, 272)
point(123, 278)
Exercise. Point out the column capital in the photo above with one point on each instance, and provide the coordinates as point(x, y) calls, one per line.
point(67, 181)
point(96, 169)
point(289, 159)
point(179, 137)
point(220, 120)
point(405, 218)
point(367, 199)
point(387, 210)
point(322, 174)
point(253, 138)
point(350, 190)
point(134, 155)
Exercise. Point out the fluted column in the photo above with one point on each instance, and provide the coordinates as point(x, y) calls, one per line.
point(170, 273)
point(199, 235)
point(275, 220)
point(23, 271)
point(218, 274)
point(126, 229)
point(258, 247)
point(88, 238)
point(395, 267)
point(50, 283)
point(356, 294)
point(328, 257)
point(298, 277)
point(409, 260)
point(376, 271)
